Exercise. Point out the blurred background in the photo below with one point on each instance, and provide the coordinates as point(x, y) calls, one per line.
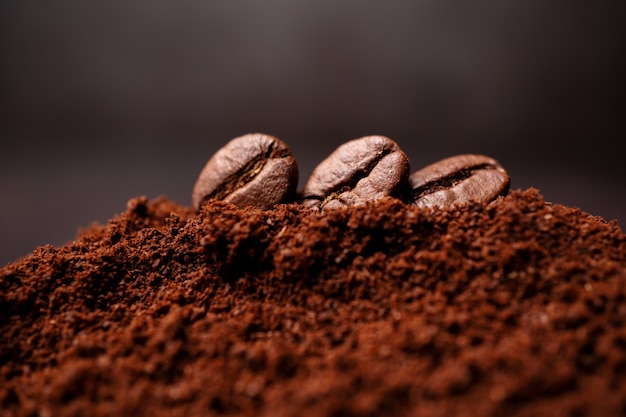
point(104, 101)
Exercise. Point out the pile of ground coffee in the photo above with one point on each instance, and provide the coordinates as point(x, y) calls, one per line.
point(517, 308)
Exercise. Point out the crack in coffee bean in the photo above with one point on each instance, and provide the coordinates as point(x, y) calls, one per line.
point(245, 174)
point(448, 181)
point(458, 180)
point(358, 171)
point(252, 170)
point(351, 182)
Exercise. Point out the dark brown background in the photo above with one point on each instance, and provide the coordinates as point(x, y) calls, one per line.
point(103, 102)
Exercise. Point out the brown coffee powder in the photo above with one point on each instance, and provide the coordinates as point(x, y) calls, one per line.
point(513, 309)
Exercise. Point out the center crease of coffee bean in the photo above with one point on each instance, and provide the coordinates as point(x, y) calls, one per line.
point(244, 175)
point(350, 182)
point(448, 181)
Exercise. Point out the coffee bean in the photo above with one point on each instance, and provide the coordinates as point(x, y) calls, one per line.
point(359, 171)
point(251, 170)
point(458, 180)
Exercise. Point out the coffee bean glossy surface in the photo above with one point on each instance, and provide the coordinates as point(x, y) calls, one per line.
point(252, 170)
point(458, 180)
point(358, 171)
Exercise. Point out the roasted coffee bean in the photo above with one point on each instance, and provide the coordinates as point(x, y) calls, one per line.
point(359, 171)
point(458, 180)
point(251, 170)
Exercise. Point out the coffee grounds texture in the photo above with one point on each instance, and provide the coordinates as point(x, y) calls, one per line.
point(517, 308)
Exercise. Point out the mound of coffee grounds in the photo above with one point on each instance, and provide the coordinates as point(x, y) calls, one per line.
point(516, 308)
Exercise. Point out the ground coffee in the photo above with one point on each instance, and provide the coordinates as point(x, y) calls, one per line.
point(516, 308)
